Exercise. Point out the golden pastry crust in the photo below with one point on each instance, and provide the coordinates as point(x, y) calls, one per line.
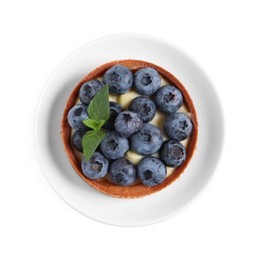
point(138, 189)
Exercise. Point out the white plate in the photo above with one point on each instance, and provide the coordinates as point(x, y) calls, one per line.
point(56, 167)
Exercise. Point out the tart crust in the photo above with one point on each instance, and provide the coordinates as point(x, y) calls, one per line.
point(104, 185)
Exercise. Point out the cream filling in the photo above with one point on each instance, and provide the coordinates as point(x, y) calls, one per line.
point(124, 100)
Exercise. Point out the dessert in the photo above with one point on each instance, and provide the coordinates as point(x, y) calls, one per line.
point(143, 139)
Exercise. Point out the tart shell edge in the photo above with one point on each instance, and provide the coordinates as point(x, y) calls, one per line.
point(103, 185)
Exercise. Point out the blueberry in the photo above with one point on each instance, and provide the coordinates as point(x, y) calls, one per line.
point(147, 81)
point(119, 79)
point(144, 107)
point(76, 115)
point(88, 90)
point(177, 126)
point(173, 153)
point(147, 141)
point(151, 171)
point(115, 109)
point(77, 140)
point(96, 167)
point(168, 99)
point(114, 146)
point(122, 172)
point(128, 123)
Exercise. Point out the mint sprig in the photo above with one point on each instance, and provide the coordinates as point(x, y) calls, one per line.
point(98, 114)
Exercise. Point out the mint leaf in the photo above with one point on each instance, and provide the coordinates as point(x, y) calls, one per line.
point(102, 122)
point(96, 125)
point(98, 113)
point(90, 142)
point(98, 108)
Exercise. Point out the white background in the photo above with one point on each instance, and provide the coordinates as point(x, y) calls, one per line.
point(223, 37)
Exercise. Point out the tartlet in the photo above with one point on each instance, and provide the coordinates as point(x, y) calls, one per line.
point(105, 185)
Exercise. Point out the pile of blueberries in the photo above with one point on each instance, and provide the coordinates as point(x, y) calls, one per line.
point(131, 129)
